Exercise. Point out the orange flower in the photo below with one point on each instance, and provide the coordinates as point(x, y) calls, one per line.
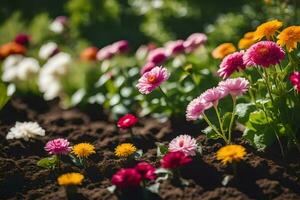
point(89, 53)
point(267, 29)
point(247, 40)
point(11, 48)
point(223, 50)
point(289, 37)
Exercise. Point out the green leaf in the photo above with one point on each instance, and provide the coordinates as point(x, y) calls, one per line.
point(243, 110)
point(3, 95)
point(226, 120)
point(210, 133)
point(48, 162)
point(161, 150)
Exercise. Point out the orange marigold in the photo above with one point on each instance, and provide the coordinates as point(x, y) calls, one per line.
point(247, 40)
point(289, 37)
point(11, 48)
point(267, 29)
point(89, 53)
point(223, 50)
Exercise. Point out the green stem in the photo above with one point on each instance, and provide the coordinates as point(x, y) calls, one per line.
point(168, 101)
point(268, 86)
point(214, 128)
point(220, 121)
point(232, 118)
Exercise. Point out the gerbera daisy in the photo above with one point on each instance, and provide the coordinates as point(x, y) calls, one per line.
point(70, 179)
point(83, 150)
point(125, 150)
point(223, 50)
point(267, 29)
point(231, 153)
point(289, 37)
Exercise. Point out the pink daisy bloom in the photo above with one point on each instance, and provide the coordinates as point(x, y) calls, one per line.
point(232, 62)
point(196, 108)
point(264, 53)
point(185, 144)
point(106, 52)
point(194, 41)
point(152, 79)
point(121, 46)
point(174, 47)
point(235, 86)
point(147, 68)
point(58, 146)
point(157, 56)
point(126, 178)
point(295, 80)
point(212, 96)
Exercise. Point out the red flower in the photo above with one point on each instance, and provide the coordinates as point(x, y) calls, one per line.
point(295, 80)
point(175, 159)
point(127, 121)
point(126, 178)
point(22, 39)
point(146, 170)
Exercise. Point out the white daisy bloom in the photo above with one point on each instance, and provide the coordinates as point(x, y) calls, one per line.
point(47, 50)
point(27, 68)
point(58, 65)
point(25, 130)
point(57, 27)
point(12, 61)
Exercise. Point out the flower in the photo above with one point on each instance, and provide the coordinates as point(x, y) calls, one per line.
point(231, 153)
point(83, 150)
point(22, 39)
point(152, 79)
point(157, 56)
point(223, 50)
point(146, 170)
point(126, 178)
point(247, 40)
point(174, 160)
point(267, 29)
point(127, 121)
point(121, 46)
point(212, 96)
point(174, 47)
point(295, 80)
point(235, 86)
point(264, 53)
point(232, 62)
point(289, 37)
point(89, 53)
point(70, 179)
point(47, 50)
point(58, 146)
point(105, 53)
point(27, 68)
point(195, 108)
point(125, 150)
point(11, 48)
point(185, 144)
point(147, 67)
point(59, 24)
point(25, 130)
point(194, 41)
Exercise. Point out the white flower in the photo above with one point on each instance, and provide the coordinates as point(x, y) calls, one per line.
point(12, 60)
point(25, 130)
point(50, 86)
point(27, 68)
point(56, 27)
point(48, 50)
point(9, 67)
point(185, 144)
point(58, 64)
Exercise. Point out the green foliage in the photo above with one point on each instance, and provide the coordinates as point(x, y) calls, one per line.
point(3, 95)
point(48, 162)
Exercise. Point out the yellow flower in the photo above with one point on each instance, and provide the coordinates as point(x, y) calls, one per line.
point(289, 37)
point(267, 29)
point(247, 40)
point(231, 153)
point(70, 179)
point(223, 50)
point(83, 150)
point(125, 150)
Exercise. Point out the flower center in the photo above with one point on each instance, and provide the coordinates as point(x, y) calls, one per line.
point(263, 51)
point(181, 143)
point(152, 79)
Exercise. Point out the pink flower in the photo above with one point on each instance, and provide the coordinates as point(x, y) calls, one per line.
point(232, 62)
point(121, 46)
point(174, 160)
point(62, 19)
point(295, 80)
point(194, 41)
point(127, 121)
point(105, 53)
point(196, 108)
point(146, 170)
point(185, 144)
point(147, 68)
point(126, 178)
point(174, 47)
point(234, 86)
point(264, 53)
point(58, 146)
point(212, 96)
point(22, 39)
point(157, 56)
point(152, 79)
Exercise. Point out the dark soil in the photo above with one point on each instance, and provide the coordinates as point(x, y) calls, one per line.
point(260, 176)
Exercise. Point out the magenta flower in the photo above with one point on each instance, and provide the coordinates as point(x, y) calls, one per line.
point(126, 178)
point(174, 160)
point(105, 53)
point(295, 80)
point(196, 108)
point(147, 68)
point(232, 62)
point(121, 46)
point(174, 47)
point(235, 86)
point(194, 41)
point(58, 146)
point(152, 79)
point(157, 56)
point(22, 39)
point(185, 144)
point(212, 96)
point(146, 170)
point(264, 53)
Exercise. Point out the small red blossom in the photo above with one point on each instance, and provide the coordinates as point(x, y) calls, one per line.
point(22, 39)
point(174, 160)
point(146, 170)
point(295, 80)
point(127, 121)
point(126, 178)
